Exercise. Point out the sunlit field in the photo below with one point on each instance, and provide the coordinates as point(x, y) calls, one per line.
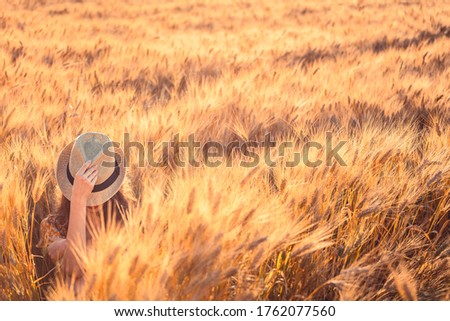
point(373, 74)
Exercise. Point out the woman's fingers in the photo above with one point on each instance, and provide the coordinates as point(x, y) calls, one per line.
point(84, 181)
point(90, 170)
point(93, 178)
point(84, 167)
point(94, 172)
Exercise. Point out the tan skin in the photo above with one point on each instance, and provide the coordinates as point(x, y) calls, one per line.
point(63, 250)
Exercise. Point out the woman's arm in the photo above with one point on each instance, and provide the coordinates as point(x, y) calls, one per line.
point(76, 233)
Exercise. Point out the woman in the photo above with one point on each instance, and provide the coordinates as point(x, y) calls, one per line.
point(90, 173)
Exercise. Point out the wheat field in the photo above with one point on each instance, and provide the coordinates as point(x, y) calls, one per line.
point(373, 73)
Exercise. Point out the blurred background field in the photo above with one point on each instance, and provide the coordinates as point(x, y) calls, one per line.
point(374, 73)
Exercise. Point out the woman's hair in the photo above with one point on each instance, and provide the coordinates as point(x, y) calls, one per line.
point(114, 208)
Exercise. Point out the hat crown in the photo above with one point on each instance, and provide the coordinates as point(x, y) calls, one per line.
point(92, 146)
point(92, 149)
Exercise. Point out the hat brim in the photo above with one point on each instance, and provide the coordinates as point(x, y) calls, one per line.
point(95, 198)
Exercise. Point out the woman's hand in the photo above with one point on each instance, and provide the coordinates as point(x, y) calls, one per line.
point(84, 182)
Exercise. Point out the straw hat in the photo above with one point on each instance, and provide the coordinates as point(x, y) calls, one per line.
point(98, 148)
